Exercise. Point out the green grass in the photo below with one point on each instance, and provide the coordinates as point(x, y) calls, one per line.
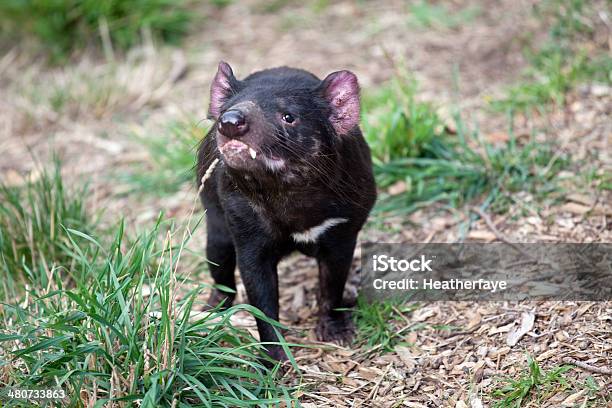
point(533, 383)
point(397, 125)
point(536, 385)
point(109, 318)
point(565, 60)
point(425, 14)
point(172, 159)
point(34, 224)
point(62, 26)
point(377, 323)
point(553, 73)
point(410, 145)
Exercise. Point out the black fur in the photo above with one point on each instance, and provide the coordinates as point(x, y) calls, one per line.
point(252, 210)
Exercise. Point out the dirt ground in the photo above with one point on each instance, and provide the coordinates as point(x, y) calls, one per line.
point(104, 101)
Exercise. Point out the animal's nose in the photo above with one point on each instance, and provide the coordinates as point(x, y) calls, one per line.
point(233, 124)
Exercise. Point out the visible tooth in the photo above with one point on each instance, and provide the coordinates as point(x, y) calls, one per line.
point(253, 153)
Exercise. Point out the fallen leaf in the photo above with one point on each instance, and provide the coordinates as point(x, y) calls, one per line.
point(571, 400)
point(475, 319)
point(476, 402)
point(527, 321)
point(547, 354)
point(581, 199)
point(370, 373)
point(501, 329)
point(299, 294)
point(461, 404)
point(406, 356)
point(423, 314)
point(574, 208)
point(411, 404)
point(412, 337)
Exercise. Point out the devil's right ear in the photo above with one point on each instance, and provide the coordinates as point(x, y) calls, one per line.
point(223, 86)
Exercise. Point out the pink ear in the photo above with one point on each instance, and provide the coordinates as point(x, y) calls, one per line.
point(341, 90)
point(220, 89)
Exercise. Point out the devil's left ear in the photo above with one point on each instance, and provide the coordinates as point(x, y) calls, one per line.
point(341, 90)
point(222, 88)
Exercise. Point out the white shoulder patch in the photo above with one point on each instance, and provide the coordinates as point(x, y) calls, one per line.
point(312, 234)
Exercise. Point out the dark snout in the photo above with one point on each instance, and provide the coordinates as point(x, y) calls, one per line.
point(233, 124)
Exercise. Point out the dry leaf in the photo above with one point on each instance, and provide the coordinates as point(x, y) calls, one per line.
point(574, 208)
point(478, 370)
point(370, 373)
point(581, 199)
point(461, 404)
point(501, 329)
point(423, 314)
point(299, 294)
point(412, 337)
point(571, 400)
point(476, 402)
point(475, 319)
point(411, 404)
point(527, 321)
point(547, 354)
point(406, 356)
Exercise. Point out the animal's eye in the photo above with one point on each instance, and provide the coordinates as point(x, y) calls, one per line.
point(288, 118)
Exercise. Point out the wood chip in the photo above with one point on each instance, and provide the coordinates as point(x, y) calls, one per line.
point(482, 235)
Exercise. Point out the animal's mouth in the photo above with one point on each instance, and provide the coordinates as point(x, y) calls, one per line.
point(236, 149)
point(240, 155)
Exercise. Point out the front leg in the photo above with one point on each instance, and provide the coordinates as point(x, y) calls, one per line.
point(257, 254)
point(334, 261)
point(259, 275)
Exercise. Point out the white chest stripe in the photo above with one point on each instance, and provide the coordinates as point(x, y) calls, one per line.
point(312, 234)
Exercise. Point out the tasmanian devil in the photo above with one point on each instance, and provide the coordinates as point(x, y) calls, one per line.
point(284, 167)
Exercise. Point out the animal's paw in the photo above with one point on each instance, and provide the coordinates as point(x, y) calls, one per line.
point(277, 353)
point(218, 297)
point(337, 329)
